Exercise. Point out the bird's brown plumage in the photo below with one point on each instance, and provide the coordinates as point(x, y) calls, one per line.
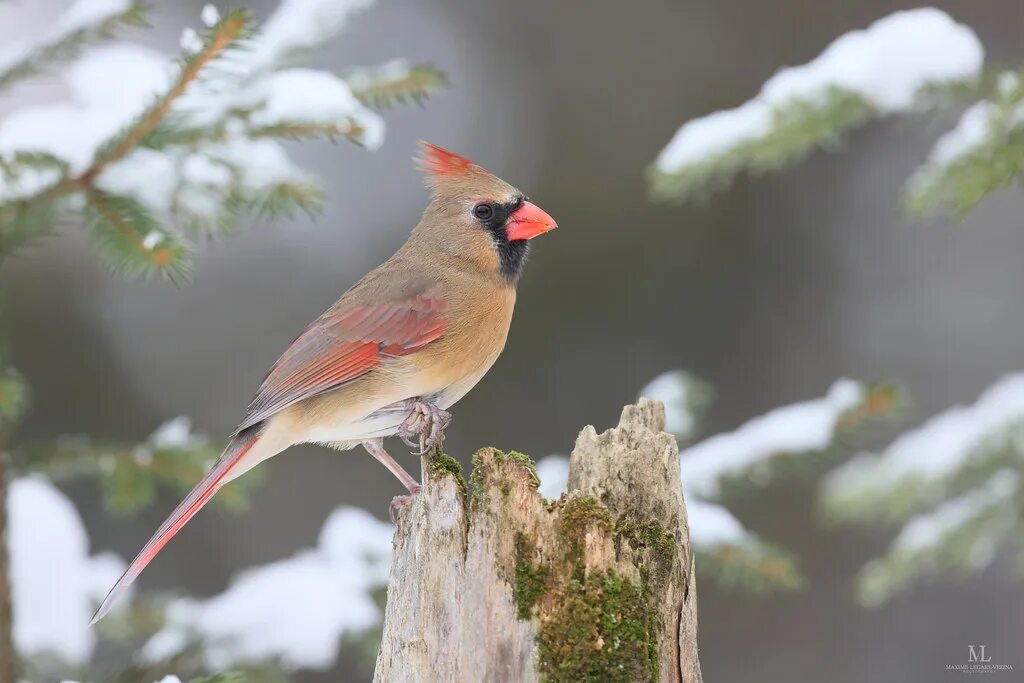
point(422, 327)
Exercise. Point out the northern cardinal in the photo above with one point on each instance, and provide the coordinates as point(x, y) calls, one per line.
point(399, 347)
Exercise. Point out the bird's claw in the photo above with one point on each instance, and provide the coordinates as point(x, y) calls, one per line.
point(424, 428)
point(399, 502)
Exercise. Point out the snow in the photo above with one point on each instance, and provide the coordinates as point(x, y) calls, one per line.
point(675, 390)
point(176, 433)
point(294, 609)
point(111, 86)
point(886, 64)
point(553, 472)
point(56, 583)
point(797, 428)
point(939, 447)
point(969, 133)
point(80, 15)
point(190, 41)
point(715, 134)
point(302, 24)
point(83, 13)
point(927, 530)
point(309, 96)
point(210, 16)
point(712, 525)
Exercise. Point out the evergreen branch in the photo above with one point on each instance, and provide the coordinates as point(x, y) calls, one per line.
point(283, 200)
point(230, 29)
point(13, 396)
point(131, 241)
point(959, 536)
point(797, 128)
point(757, 567)
point(298, 130)
point(983, 154)
point(68, 46)
point(129, 474)
point(383, 86)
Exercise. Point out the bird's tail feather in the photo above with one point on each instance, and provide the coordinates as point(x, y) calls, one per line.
point(186, 509)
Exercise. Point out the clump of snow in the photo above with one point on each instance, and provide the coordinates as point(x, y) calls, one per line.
point(395, 70)
point(309, 96)
point(927, 530)
point(886, 64)
point(712, 525)
point(176, 433)
point(939, 447)
point(302, 24)
point(970, 132)
point(83, 13)
point(55, 582)
point(190, 41)
point(675, 389)
point(797, 428)
point(111, 86)
point(553, 472)
point(295, 609)
point(210, 16)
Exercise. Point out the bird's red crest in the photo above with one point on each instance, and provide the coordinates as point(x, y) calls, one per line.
point(437, 161)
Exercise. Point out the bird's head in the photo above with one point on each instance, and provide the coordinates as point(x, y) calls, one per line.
point(477, 215)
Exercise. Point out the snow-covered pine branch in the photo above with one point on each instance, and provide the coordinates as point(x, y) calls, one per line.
point(154, 152)
point(983, 153)
point(902, 63)
point(953, 484)
point(83, 23)
point(732, 554)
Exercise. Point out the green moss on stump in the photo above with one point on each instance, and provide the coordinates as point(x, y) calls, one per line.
point(595, 626)
point(476, 479)
point(531, 578)
point(442, 464)
point(647, 533)
point(602, 628)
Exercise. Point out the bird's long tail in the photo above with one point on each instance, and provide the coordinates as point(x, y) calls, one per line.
point(187, 508)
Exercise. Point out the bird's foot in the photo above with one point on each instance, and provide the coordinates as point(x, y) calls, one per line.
point(424, 428)
point(399, 502)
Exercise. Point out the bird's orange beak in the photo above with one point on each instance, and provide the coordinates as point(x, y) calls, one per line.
point(528, 221)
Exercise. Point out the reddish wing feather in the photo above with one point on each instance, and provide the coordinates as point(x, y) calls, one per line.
point(341, 346)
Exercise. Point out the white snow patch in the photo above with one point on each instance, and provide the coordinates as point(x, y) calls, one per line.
point(887, 64)
point(927, 530)
point(190, 41)
point(295, 609)
point(797, 428)
point(301, 24)
point(675, 390)
point(176, 433)
point(553, 472)
point(111, 86)
point(310, 96)
point(210, 16)
point(712, 525)
point(83, 13)
point(56, 583)
point(939, 447)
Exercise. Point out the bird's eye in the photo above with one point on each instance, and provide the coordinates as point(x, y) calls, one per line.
point(483, 212)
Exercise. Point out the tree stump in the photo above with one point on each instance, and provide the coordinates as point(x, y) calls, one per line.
point(491, 582)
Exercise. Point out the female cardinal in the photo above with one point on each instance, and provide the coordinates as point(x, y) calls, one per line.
point(400, 347)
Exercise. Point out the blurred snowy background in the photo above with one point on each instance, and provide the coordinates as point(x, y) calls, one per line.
point(769, 291)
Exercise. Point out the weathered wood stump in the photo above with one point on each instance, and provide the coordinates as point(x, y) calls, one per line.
point(491, 582)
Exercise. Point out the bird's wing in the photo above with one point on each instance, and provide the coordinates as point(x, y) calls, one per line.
point(345, 343)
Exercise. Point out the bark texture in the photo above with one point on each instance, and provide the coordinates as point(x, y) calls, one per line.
point(491, 582)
